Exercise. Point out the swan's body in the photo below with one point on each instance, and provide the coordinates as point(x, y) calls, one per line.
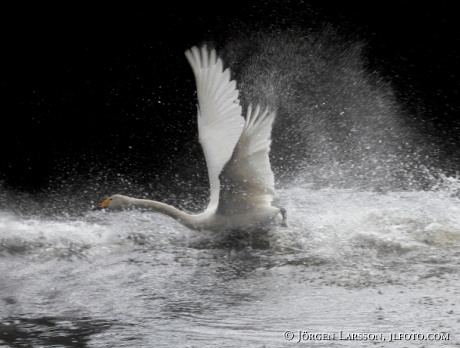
point(236, 151)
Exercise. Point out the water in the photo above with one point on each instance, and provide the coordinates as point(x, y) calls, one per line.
point(350, 261)
point(337, 119)
point(372, 246)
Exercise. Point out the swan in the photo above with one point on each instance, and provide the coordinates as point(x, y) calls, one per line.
point(236, 152)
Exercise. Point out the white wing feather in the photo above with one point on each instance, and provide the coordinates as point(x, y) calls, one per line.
point(247, 181)
point(220, 123)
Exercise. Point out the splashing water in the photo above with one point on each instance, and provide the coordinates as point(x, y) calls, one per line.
point(105, 278)
point(337, 122)
point(366, 249)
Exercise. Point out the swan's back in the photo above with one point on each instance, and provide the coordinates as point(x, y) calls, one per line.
point(247, 181)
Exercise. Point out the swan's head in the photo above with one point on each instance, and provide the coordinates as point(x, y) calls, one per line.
point(116, 202)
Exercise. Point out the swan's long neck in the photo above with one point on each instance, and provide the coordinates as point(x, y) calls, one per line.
point(184, 218)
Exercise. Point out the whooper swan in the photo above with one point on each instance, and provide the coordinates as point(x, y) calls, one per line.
point(236, 152)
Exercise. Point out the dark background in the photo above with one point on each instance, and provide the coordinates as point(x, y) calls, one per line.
point(88, 90)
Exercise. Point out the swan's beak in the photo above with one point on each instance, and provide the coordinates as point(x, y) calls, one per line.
point(104, 204)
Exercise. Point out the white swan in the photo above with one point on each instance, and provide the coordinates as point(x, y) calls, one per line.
point(236, 152)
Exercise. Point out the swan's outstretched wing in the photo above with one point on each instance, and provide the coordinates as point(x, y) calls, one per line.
point(220, 123)
point(247, 181)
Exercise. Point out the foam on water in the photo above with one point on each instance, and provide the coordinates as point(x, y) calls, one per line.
point(68, 237)
point(330, 224)
point(376, 219)
point(110, 277)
